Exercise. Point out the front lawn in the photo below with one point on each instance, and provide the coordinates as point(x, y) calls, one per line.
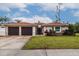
point(53, 42)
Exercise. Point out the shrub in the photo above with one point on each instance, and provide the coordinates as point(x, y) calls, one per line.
point(69, 32)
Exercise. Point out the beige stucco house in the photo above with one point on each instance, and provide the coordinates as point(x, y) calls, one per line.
point(24, 28)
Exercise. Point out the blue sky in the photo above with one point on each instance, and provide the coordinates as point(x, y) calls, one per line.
point(43, 12)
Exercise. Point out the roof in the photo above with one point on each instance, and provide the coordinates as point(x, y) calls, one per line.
point(39, 23)
point(56, 23)
point(20, 24)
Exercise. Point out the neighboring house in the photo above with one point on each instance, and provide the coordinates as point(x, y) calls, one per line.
point(24, 28)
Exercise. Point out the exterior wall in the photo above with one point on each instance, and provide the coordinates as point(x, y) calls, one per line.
point(53, 28)
point(20, 31)
point(64, 28)
point(2, 31)
point(48, 28)
point(33, 31)
point(44, 29)
point(6, 30)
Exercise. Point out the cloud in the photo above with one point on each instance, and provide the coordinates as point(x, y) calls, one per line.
point(7, 6)
point(76, 13)
point(17, 14)
point(34, 19)
point(45, 6)
point(70, 6)
point(63, 6)
point(25, 10)
point(48, 6)
point(42, 19)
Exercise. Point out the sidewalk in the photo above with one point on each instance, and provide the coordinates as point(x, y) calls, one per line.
point(42, 52)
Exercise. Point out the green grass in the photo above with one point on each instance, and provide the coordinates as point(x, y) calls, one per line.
point(53, 42)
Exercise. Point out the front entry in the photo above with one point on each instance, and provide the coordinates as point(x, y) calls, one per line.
point(39, 31)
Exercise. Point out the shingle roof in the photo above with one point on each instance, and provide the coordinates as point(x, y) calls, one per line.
point(20, 24)
point(36, 24)
point(57, 23)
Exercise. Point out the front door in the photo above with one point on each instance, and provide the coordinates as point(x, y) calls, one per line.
point(39, 31)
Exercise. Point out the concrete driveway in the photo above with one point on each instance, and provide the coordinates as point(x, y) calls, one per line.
point(13, 42)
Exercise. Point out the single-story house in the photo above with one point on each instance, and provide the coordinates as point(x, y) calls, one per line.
point(24, 28)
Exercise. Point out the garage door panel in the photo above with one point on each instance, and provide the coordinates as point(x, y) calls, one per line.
point(26, 31)
point(13, 30)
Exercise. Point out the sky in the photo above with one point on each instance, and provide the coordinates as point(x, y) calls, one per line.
point(43, 12)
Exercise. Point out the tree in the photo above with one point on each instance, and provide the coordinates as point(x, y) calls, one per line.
point(18, 21)
point(4, 20)
point(71, 27)
point(76, 25)
point(70, 31)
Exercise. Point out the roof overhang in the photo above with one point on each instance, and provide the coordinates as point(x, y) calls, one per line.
point(35, 24)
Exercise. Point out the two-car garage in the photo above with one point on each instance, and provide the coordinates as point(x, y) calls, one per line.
point(16, 30)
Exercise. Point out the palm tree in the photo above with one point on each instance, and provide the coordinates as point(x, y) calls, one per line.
point(1, 19)
point(18, 21)
point(4, 20)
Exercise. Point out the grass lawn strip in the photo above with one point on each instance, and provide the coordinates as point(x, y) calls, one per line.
point(53, 42)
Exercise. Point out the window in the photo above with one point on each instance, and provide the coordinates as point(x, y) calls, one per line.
point(57, 29)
